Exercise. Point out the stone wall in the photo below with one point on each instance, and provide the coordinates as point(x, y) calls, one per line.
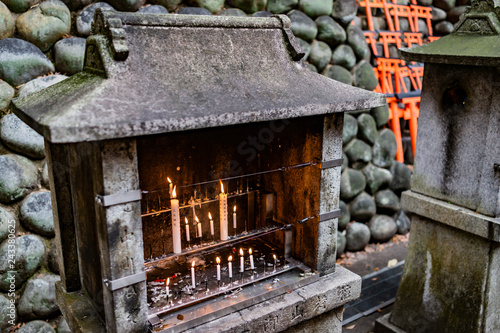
point(43, 42)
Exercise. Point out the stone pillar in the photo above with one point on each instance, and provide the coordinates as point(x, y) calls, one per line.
point(451, 277)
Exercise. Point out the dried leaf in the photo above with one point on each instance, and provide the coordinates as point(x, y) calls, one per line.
point(350, 327)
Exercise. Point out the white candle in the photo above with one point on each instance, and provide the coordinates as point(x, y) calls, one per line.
point(218, 268)
point(230, 266)
point(242, 261)
point(234, 218)
point(167, 288)
point(199, 227)
point(176, 224)
point(188, 238)
point(223, 213)
point(251, 259)
point(211, 224)
point(274, 256)
point(193, 279)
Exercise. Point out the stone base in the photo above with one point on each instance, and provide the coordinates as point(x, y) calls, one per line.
point(317, 307)
point(382, 325)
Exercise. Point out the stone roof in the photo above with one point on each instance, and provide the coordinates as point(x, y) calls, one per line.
point(148, 74)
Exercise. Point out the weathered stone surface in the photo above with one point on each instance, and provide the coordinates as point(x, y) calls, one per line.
point(6, 94)
point(330, 31)
point(357, 41)
point(403, 223)
point(152, 9)
point(352, 182)
point(45, 175)
point(171, 5)
point(18, 177)
point(52, 258)
point(344, 56)
point(21, 138)
point(341, 243)
point(69, 54)
point(345, 162)
point(338, 73)
point(425, 3)
point(376, 178)
point(20, 6)
point(315, 8)
point(74, 5)
point(7, 221)
point(401, 177)
point(358, 151)
point(303, 26)
point(350, 128)
point(6, 22)
point(39, 298)
point(364, 76)
point(344, 11)
point(84, 20)
point(345, 215)
point(6, 310)
point(212, 5)
point(381, 115)
point(21, 61)
point(194, 11)
point(281, 6)
point(29, 254)
point(382, 228)
point(362, 208)
point(367, 128)
point(249, 6)
point(320, 54)
point(40, 83)
point(444, 4)
point(63, 326)
point(262, 13)
point(36, 213)
point(36, 326)
point(127, 5)
point(357, 236)
point(233, 12)
point(384, 148)
point(45, 24)
point(386, 201)
point(455, 13)
point(312, 67)
point(306, 47)
point(438, 14)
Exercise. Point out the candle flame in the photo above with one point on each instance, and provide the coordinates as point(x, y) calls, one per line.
point(209, 215)
point(221, 186)
point(218, 260)
point(169, 181)
point(174, 193)
point(274, 256)
point(234, 209)
point(230, 258)
point(186, 220)
point(250, 251)
point(192, 264)
point(241, 252)
point(196, 218)
point(168, 281)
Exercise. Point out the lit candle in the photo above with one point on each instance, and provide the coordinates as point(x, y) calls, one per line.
point(218, 268)
point(234, 218)
point(251, 259)
point(199, 226)
point(274, 256)
point(167, 288)
point(211, 224)
point(188, 238)
point(170, 186)
point(242, 261)
point(230, 266)
point(223, 213)
point(193, 279)
point(176, 223)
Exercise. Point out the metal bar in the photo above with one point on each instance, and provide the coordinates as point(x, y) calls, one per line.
point(329, 216)
point(118, 199)
point(332, 163)
point(125, 281)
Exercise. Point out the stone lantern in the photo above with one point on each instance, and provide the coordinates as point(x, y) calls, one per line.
point(451, 278)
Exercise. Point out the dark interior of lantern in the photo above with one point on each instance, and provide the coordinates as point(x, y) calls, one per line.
point(270, 172)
